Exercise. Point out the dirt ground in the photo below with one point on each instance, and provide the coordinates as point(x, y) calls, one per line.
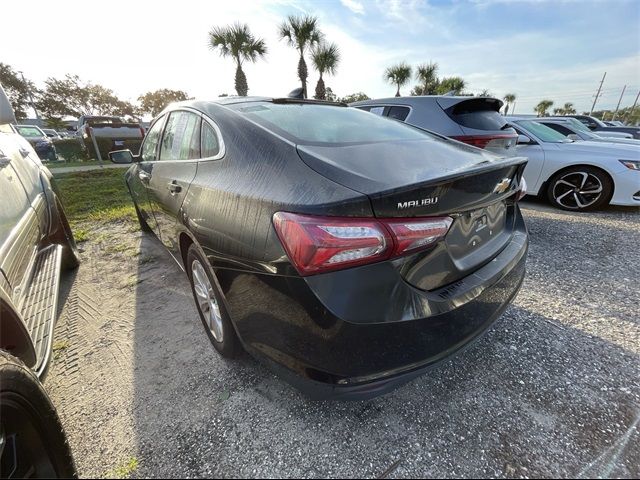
point(552, 390)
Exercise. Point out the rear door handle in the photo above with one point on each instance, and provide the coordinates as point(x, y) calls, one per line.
point(144, 177)
point(174, 187)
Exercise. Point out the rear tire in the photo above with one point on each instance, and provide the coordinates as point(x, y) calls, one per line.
point(210, 304)
point(33, 440)
point(580, 189)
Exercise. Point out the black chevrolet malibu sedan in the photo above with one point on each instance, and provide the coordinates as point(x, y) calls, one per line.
point(349, 252)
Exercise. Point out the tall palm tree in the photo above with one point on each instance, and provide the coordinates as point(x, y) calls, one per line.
point(237, 42)
point(399, 75)
point(325, 58)
point(510, 98)
point(301, 33)
point(542, 109)
point(427, 75)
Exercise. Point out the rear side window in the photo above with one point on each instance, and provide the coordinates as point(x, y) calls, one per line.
point(398, 113)
point(210, 143)
point(480, 114)
point(149, 147)
point(181, 139)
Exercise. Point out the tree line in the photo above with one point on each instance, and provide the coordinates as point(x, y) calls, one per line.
point(73, 97)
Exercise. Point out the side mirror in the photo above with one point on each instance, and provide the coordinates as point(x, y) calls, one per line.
point(121, 156)
point(524, 140)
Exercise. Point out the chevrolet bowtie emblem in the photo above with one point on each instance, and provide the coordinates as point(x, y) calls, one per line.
point(502, 186)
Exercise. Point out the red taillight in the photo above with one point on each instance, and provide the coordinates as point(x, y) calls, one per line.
point(414, 234)
point(480, 141)
point(320, 244)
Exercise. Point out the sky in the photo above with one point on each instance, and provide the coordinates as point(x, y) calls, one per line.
point(537, 49)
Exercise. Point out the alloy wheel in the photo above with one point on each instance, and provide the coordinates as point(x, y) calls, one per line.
point(206, 300)
point(577, 190)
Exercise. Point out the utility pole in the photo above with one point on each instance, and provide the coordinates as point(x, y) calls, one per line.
point(630, 114)
point(33, 105)
point(621, 95)
point(598, 93)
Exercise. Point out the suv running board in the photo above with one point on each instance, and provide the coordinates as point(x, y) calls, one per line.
point(40, 303)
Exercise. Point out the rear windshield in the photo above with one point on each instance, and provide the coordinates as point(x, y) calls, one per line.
point(480, 114)
point(326, 124)
point(30, 132)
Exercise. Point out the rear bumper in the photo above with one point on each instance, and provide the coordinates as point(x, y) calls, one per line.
point(344, 335)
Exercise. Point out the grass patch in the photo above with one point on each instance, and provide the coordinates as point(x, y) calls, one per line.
point(81, 235)
point(75, 163)
point(59, 347)
point(97, 196)
point(125, 470)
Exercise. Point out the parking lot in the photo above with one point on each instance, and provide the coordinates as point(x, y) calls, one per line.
point(553, 389)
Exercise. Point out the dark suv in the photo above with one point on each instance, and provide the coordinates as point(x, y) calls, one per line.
point(472, 120)
point(36, 243)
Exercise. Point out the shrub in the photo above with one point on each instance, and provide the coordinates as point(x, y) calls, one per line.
point(70, 149)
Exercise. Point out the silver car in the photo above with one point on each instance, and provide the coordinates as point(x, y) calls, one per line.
point(472, 120)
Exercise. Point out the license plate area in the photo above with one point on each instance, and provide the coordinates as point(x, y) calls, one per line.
point(476, 230)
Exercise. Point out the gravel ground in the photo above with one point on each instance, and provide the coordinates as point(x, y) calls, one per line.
point(552, 390)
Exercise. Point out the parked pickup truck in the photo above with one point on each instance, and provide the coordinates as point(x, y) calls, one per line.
point(110, 133)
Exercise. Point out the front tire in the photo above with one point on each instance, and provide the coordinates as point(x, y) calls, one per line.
point(210, 304)
point(33, 441)
point(580, 188)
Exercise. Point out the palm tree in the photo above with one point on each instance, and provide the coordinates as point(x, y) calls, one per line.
point(484, 93)
point(237, 42)
point(568, 109)
point(399, 75)
point(454, 85)
point(325, 58)
point(301, 33)
point(558, 111)
point(542, 109)
point(427, 75)
point(509, 98)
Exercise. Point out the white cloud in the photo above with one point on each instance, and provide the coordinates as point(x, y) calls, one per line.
point(353, 5)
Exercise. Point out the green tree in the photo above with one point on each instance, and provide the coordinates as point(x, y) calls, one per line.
point(568, 109)
point(237, 42)
point(73, 97)
point(154, 102)
point(301, 33)
point(509, 99)
point(325, 59)
point(542, 109)
point(330, 96)
point(17, 90)
point(398, 75)
point(484, 93)
point(453, 85)
point(427, 75)
point(354, 97)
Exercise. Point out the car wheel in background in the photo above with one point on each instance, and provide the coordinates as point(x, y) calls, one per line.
point(210, 304)
point(580, 188)
point(32, 441)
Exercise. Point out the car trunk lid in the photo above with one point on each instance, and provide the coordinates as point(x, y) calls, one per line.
point(428, 179)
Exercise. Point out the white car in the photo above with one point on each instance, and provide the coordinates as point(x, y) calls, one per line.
point(583, 175)
point(575, 130)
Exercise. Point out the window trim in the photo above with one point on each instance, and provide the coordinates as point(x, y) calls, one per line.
point(387, 107)
point(222, 149)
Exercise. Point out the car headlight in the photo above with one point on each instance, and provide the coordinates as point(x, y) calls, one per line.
point(631, 164)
